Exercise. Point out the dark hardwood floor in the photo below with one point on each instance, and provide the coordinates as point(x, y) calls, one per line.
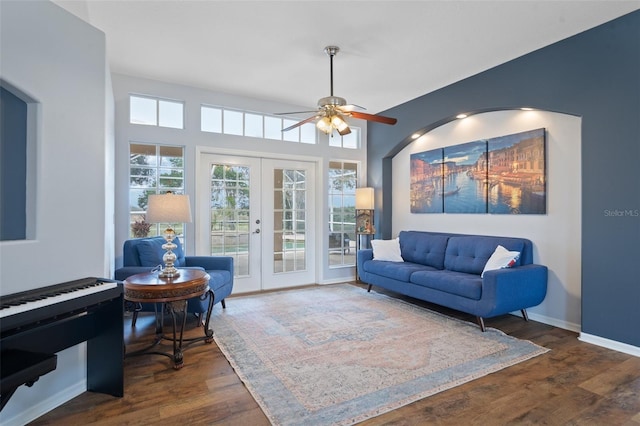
point(575, 383)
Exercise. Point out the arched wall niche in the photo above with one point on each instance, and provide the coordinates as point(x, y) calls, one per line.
point(449, 119)
point(556, 235)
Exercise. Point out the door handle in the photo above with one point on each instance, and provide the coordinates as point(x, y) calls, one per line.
point(257, 231)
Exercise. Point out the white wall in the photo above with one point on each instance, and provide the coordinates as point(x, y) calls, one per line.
point(556, 236)
point(196, 141)
point(58, 60)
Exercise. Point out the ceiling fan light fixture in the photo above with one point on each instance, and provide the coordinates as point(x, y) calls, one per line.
point(340, 125)
point(324, 125)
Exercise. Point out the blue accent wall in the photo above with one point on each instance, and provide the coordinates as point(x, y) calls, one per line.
point(13, 167)
point(594, 75)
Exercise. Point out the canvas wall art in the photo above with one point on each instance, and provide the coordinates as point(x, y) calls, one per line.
point(502, 175)
point(427, 182)
point(517, 174)
point(465, 174)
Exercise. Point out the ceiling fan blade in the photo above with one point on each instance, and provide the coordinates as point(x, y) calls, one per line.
point(373, 117)
point(351, 107)
point(300, 123)
point(294, 112)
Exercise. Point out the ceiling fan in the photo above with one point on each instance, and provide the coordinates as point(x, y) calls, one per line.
point(333, 110)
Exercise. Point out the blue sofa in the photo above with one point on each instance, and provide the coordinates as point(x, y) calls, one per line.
point(445, 269)
point(143, 254)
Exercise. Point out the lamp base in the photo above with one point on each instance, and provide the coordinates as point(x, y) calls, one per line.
point(169, 271)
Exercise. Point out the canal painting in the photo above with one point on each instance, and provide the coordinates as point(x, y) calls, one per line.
point(427, 182)
point(517, 174)
point(502, 175)
point(465, 177)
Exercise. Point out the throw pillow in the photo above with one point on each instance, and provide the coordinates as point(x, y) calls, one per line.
point(388, 250)
point(500, 259)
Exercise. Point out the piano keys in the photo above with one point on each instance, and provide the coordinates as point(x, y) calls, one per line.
point(44, 321)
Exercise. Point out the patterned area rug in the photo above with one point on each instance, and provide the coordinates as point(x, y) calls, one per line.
point(337, 355)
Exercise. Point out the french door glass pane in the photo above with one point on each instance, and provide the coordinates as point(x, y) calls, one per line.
point(289, 235)
point(230, 200)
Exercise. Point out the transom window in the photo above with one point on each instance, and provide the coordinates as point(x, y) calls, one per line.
point(350, 141)
point(252, 124)
point(156, 112)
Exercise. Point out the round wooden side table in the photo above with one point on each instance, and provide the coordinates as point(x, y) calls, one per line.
point(173, 293)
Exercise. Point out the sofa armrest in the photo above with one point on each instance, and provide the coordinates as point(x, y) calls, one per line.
point(513, 289)
point(211, 263)
point(126, 271)
point(362, 256)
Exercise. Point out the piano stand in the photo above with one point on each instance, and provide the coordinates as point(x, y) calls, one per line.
point(88, 310)
point(22, 367)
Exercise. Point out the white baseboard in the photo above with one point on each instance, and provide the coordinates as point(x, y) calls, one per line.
point(610, 344)
point(46, 405)
point(337, 281)
point(565, 325)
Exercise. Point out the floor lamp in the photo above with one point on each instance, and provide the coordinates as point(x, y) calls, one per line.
point(364, 219)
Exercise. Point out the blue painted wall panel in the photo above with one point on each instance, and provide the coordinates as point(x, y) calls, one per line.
point(595, 75)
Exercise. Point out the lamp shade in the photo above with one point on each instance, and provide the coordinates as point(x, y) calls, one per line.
point(364, 199)
point(168, 208)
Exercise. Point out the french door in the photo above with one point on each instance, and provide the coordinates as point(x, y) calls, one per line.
point(261, 212)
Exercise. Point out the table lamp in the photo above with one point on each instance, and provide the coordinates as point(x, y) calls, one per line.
point(169, 208)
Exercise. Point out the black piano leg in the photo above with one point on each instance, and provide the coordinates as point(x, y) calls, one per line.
point(105, 353)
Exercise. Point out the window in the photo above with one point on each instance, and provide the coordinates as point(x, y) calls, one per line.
point(342, 219)
point(232, 122)
point(211, 119)
point(153, 169)
point(273, 127)
point(156, 112)
point(350, 141)
point(254, 125)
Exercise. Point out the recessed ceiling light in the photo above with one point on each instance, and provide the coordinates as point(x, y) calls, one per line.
point(461, 116)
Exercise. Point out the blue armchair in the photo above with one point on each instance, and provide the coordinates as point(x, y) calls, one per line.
point(143, 254)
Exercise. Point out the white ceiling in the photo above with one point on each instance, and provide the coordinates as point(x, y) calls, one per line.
point(391, 51)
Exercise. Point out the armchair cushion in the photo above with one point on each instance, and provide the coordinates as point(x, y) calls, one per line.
point(150, 252)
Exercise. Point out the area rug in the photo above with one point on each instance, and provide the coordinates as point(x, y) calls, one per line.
point(337, 355)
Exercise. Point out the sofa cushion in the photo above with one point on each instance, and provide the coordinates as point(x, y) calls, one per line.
point(388, 250)
point(500, 259)
point(150, 252)
point(400, 271)
point(470, 254)
point(458, 283)
point(423, 247)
